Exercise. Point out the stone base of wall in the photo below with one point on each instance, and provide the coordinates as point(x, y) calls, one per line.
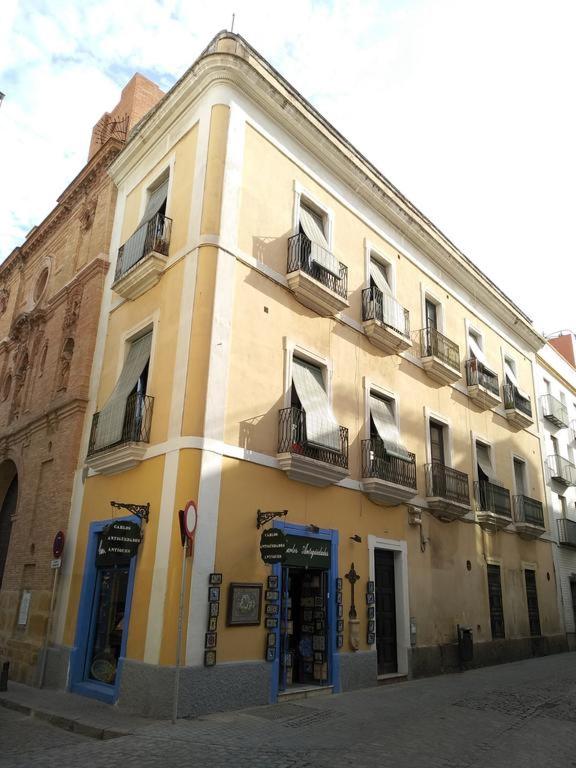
point(437, 659)
point(57, 666)
point(146, 689)
point(358, 670)
point(22, 645)
point(571, 637)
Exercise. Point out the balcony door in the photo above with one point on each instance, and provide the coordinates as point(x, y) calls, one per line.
point(520, 477)
point(438, 458)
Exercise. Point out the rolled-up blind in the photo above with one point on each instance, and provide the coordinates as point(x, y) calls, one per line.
point(385, 423)
point(321, 426)
point(378, 274)
point(111, 417)
point(483, 459)
point(134, 246)
point(513, 379)
point(319, 252)
point(392, 311)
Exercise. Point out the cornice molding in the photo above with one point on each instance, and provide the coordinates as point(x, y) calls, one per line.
point(48, 420)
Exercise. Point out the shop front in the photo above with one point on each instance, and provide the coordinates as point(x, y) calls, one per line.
point(104, 611)
point(306, 630)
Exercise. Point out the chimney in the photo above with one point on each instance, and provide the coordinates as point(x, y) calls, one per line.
point(139, 95)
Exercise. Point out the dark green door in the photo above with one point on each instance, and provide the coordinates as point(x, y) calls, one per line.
point(385, 612)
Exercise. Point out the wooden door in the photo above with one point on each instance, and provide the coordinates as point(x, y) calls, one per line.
point(386, 647)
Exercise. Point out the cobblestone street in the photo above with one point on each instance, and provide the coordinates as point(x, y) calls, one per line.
point(517, 715)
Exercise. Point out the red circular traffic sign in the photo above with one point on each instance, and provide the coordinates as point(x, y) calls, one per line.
point(190, 519)
point(58, 545)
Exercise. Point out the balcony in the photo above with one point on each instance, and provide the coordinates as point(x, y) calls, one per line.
point(440, 356)
point(554, 410)
point(387, 480)
point(518, 408)
point(561, 470)
point(493, 506)
point(528, 517)
point(566, 532)
point(573, 430)
point(142, 258)
point(305, 461)
point(482, 384)
point(313, 285)
point(385, 321)
point(447, 492)
point(129, 450)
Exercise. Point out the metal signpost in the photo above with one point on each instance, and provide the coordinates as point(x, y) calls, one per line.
point(188, 519)
point(55, 564)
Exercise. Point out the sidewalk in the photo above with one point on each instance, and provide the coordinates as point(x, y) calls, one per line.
point(79, 714)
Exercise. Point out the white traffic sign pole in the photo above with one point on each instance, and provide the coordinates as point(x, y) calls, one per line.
point(48, 629)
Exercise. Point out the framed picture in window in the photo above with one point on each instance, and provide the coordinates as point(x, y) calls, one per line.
point(370, 597)
point(270, 623)
point(371, 638)
point(272, 595)
point(338, 584)
point(244, 604)
point(214, 595)
point(339, 611)
point(271, 640)
point(214, 609)
point(371, 626)
point(215, 579)
point(272, 609)
point(210, 640)
point(371, 611)
point(370, 587)
point(339, 641)
point(340, 626)
point(212, 623)
point(272, 582)
point(209, 658)
point(271, 653)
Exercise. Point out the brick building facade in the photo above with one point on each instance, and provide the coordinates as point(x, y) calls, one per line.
point(50, 295)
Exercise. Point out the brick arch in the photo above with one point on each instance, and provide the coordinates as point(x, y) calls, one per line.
point(8, 504)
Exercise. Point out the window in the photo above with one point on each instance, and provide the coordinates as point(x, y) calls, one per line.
point(431, 309)
point(555, 446)
point(495, 602)
point(437, 455)
point(384, 429)
point(391, 312)
point(484, 464)
point(547, 387)
point(532, 601)
point(520, 477)
point(152, 232)
point(40, 286)
point(309, 396)
point(125, 412)
point(312, 224)
point(510, 372)
point(475, 346)
point(563, 505)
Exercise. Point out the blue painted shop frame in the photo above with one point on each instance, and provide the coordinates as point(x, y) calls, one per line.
point(326, 534)
point(86, 618)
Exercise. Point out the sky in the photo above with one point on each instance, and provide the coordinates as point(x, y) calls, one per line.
point(467, 106)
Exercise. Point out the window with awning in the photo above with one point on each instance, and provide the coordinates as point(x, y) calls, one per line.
point(475, 349)
point(111, 417)
point(312, 225)
point(134, 247)
point(382, 413)
point(485, 469)
point(321, 426)
point(511, 378)
point(392, 311)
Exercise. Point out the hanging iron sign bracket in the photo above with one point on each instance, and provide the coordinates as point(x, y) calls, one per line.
point(140, 510)
point(264, 517)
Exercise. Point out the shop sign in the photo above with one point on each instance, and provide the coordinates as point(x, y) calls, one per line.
point(303, 551)
point(272, 546)
point(118, 542)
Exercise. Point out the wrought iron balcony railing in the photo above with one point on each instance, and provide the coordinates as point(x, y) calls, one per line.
point(513, 399)
point(135, 427)
point(490, 497)
point(433, 343)
point(477, 374)
point(561, 470)
point(446, 483)
point(554, 410)
point(567, 532)
point(293, 438)
point(300, 258)
point(377, 462)
point(153, 235)
point(386, 310)
point(527, 510)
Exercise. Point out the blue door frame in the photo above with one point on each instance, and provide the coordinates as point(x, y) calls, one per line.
point(327, 534)
point(78, 683)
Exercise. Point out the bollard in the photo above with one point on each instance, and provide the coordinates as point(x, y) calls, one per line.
point(4, 676)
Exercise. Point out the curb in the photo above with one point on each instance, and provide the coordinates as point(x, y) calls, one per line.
point(61, 721)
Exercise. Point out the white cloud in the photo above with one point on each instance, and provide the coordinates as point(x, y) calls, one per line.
point(466, 106)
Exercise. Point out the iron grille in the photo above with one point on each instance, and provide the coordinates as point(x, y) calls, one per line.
point(156, 238)
point(567, 532)
point(433, 343)
point(477, 374)
point(495, 602)
point(490, 497)
point(554, 410)
point(300, 258)
point(514, 400)
point(377, 462)
point(386, 310)
point(136, 425)
point(446, 483)
point(532, 600)
point(561, 470)
point(292, 438)
point(527, 510)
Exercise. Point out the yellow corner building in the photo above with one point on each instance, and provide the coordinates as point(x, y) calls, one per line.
point(288, 342)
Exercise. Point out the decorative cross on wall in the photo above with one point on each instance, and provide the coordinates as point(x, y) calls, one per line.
point(352, 577)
